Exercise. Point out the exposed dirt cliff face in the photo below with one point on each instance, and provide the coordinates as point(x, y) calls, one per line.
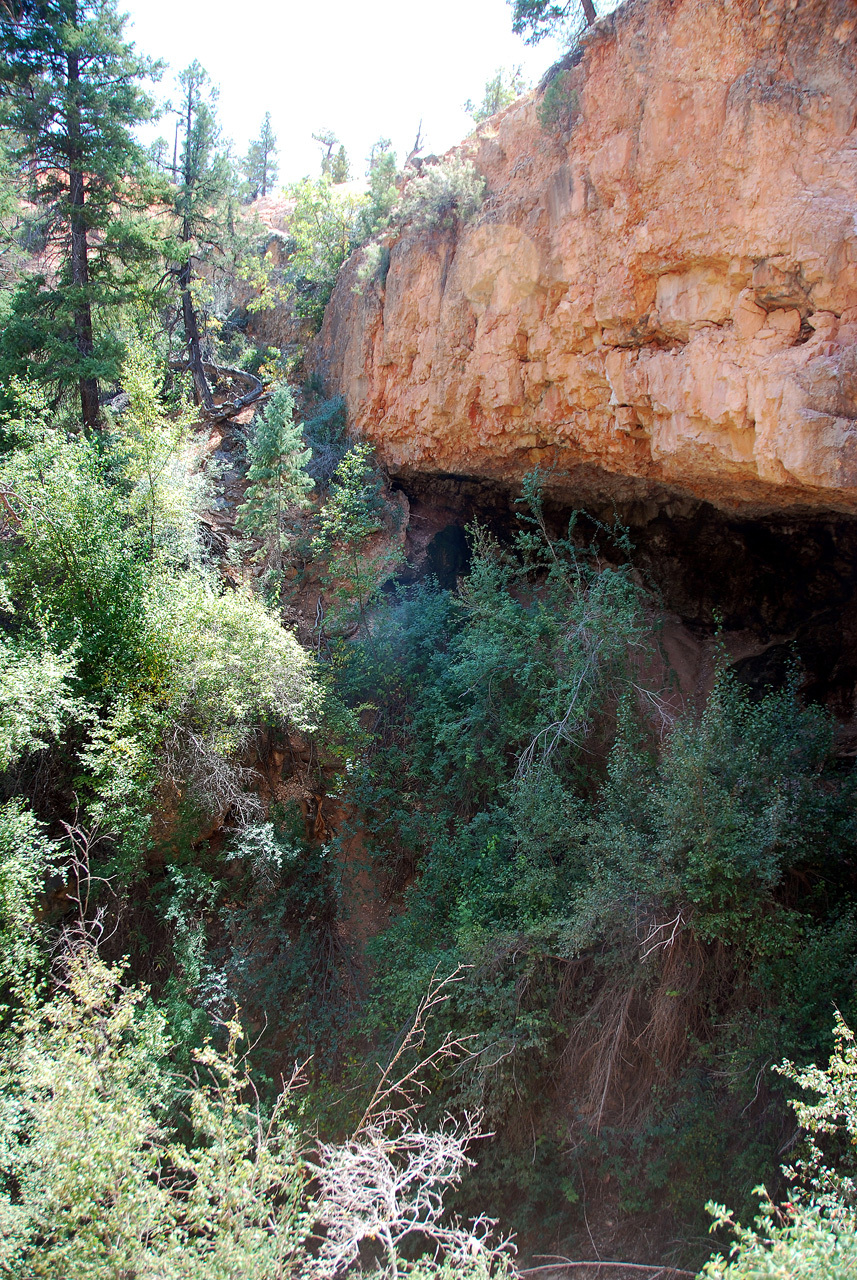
point(665, 299)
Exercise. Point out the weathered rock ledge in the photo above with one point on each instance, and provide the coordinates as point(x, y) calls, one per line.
point(664, 300)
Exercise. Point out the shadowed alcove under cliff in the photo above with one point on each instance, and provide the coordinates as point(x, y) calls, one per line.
point(782, 586)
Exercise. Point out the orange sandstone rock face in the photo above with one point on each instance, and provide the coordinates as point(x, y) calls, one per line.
point(665, 298)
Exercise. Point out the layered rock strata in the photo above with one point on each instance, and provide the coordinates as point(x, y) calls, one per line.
point(663, 298)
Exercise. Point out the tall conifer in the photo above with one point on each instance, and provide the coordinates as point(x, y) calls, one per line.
point(72, 95)
point(260, 163)
point(201, 206)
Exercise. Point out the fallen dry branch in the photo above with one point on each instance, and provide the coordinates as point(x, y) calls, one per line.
point(217, 373)
point(653, 1270)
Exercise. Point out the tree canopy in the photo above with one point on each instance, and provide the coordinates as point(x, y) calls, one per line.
point(73, 94)
point(535, 19)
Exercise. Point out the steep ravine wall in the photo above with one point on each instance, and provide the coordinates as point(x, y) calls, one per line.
point(661, 303)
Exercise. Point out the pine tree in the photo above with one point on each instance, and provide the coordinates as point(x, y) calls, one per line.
point(340, 169)
point(277, 473)
point(535, 19)
point(260, 163)
point(383, 175)
point(72, 97)
point(201, 207)
point(327, 140)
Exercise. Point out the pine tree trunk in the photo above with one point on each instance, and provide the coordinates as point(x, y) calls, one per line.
point(201, 389)
point(589, 12)
point(88, 385)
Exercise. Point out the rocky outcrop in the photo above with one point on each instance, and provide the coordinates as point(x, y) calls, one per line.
point(664, 298)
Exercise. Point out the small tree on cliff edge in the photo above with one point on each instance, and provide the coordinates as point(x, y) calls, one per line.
point(71, 96)
point(500, 91)
point(260, 163)
point(535, 19)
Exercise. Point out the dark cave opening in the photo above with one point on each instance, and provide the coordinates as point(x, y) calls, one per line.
point(788, 579)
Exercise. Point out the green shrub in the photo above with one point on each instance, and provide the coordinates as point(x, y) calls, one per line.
point(814, 1235)
point(559, 106)
point(323, 228)
point(374, 265)
point(98, 1178)
point(167, 677)
point(36, 699)
point(442, 194)
point(27, 859)
point(325, 435)
point(228, 668)
point(113, 1164)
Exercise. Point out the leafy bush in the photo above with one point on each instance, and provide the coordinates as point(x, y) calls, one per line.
point(96, 1174)
point(814, 1235)
point(112, 1164)
point(27, 858)
point(35, 697)
point(442, 194)
point(559, 106)
point(374, 265)
point(170, 677)
point(153, 455)
point(323, 227)
point(229, 668)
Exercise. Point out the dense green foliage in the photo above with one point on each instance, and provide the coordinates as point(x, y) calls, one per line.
point(323, 229)
point(630, 908)
point(442, 194)
point(383, 193)
point(465, 851)
point(106, 568)
point(72, 100)
point(277, 476)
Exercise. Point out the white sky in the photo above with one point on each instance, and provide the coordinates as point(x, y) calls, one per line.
point(364, 68)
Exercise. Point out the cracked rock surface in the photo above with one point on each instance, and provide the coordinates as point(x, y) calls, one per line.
point(662, 298)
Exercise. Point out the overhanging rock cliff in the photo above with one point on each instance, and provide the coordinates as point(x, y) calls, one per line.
point(662, 299)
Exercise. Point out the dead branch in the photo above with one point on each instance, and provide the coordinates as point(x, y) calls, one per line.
point(411, 1084)
point(386, 1188)
point(415, 150)
point(89, 927)
point(218, 372)
point(655, 1270)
